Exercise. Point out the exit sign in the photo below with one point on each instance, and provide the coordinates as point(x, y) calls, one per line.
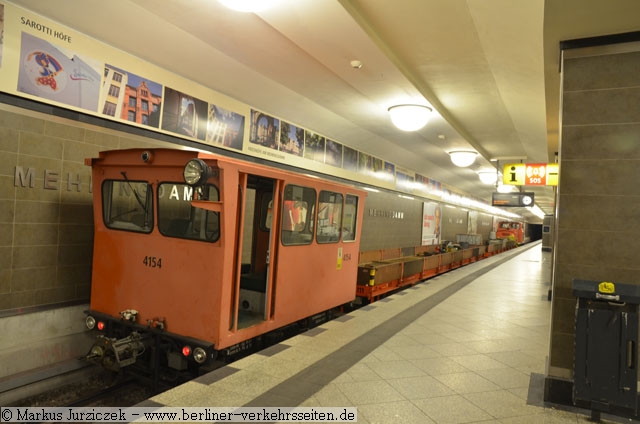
point(530, 174)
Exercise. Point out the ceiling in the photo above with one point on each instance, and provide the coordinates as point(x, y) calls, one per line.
point(489, 68)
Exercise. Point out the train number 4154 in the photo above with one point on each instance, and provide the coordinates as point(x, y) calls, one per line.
point(152, 262)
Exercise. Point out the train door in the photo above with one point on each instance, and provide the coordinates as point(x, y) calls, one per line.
point(257, 252)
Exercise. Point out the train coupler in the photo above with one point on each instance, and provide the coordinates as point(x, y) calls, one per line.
point(114, 354)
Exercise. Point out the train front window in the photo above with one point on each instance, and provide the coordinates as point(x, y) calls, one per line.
point(127, 205)
point(297, 215)
point(177, 218)
point(329, 217)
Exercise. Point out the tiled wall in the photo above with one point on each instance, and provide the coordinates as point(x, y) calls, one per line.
point(598, 225)
point(454, 221)
point(485, 226)
point(384, 230)
point(46, 231)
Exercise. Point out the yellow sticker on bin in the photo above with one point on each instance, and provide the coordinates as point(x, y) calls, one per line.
point(606, 287)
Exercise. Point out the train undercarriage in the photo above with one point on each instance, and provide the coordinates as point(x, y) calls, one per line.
point(163, 358)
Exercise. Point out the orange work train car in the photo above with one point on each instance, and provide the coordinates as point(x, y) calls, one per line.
point(196, 255)
point(510, 228)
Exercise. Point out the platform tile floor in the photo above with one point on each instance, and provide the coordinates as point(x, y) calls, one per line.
point(468, 346)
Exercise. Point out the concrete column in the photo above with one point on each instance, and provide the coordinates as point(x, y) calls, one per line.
point(598, 205)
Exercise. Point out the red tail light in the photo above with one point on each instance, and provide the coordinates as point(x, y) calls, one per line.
point(100, 325)
point(186, 351)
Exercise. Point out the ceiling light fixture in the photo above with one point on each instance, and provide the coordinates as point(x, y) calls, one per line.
point(463, 158)
point(410, 117)
point(488, 177)
point(253, 6)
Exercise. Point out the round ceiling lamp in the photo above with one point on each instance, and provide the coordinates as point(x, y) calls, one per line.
point(248, 5)
point(410, 117)
point(488, 177)
point(463, 158)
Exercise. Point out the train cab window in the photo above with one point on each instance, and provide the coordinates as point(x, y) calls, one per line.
point(127, 205)
point(350, 218)
point(329, 217)
point(298, 209)
point(177, 218)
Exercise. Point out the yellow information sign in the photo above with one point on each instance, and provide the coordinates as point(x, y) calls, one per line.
point(530, 174)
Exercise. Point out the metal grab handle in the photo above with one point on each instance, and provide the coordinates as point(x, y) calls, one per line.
point(607, 296)
point(631, 357)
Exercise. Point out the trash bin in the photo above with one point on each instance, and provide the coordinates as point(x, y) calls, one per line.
point(606, 346)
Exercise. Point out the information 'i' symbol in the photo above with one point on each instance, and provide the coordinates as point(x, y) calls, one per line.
point(513, 174)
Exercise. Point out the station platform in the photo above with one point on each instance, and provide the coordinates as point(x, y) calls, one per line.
point(466, 346)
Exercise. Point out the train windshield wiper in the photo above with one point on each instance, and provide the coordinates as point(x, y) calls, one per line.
point(135, 193)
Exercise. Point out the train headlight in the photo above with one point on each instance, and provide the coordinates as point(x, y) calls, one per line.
point(199, 355)
point(196, 172)
point(90, 322)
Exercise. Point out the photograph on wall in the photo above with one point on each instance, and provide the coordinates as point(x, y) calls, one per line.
point(333, 153)
point(291, 139)
point(365, 163)
point(422, 185)
point(380, 171)
point(446, 193)
point(130, 97)
point(431, 223)
point(184, 114)
point(377, 164)
point(225, 128)
point(435, 187)
point(1, 32)
point(46, 72)
point(349, 159)
point(425, 185)
point(404, 181)
point(314, 146)
point(264, 129)
point(389, 168)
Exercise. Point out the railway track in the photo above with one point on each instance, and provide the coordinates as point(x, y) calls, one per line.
point(97, 389)
point(118, 394)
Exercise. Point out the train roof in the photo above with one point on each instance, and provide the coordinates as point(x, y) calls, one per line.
point(177, 157)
